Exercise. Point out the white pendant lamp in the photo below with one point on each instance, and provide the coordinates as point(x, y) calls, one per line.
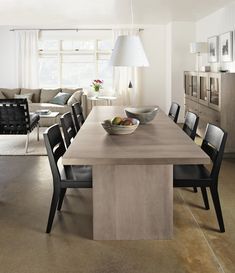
point(128, 50)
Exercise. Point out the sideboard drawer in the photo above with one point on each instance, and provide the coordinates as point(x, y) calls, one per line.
point(209, 115)
point(191, 106)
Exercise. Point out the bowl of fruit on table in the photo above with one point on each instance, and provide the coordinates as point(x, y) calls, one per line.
point(120, 126)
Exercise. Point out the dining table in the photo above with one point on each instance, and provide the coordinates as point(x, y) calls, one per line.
point(132, 175)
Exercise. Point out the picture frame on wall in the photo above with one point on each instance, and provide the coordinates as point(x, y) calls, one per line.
point(213, 48)
point(226, 47)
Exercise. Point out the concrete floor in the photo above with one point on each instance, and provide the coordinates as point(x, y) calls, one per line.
point(25, 194)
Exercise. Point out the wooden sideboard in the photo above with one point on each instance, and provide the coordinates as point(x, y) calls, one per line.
point(212, 97)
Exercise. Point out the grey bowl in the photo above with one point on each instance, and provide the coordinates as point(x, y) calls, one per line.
point(143, 114)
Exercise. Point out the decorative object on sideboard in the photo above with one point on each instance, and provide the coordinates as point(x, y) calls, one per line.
point(213, 48)
point(226, 47)
point(223, 70)
point(198, 48)
point(206, 68)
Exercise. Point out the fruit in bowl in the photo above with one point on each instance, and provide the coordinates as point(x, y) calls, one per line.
point(116, 121)
point(120, 126)
point(122, 121)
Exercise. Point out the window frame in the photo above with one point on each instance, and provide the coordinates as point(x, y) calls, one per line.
point(59, 53)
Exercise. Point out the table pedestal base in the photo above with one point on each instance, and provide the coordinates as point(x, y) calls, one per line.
point(132, 202)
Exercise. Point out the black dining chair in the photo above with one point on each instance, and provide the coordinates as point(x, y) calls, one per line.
point(68, 128)
point(63, 176)
point(199, 176)
point(174, 111)
point(78, 115)
point(190, 124)
point(190, 128)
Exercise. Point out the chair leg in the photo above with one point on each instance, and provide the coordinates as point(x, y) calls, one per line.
point(216, 201)
point(38, 132)
point(205, 197)
point(54, 202)
point(62, 194)
point(27, 143)
point(194, 189)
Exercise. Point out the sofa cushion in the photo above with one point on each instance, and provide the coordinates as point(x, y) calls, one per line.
point(71, 90)
point(76, 97)
point(24, 96)
point(61, 98)
point(48, 94)
point(2, 96)
point(10, 93)
point(36, 93)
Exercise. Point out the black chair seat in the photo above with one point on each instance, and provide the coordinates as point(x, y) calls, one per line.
point(77, 174)
point(186, 174)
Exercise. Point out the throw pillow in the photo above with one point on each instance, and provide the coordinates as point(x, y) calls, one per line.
point(71, 90)
point(76, 97)
point(61, 98)
point(10, 93)
point(36, 93)
point(2, 95)
point(24, 96)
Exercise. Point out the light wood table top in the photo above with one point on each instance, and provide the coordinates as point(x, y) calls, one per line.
point(159, 142)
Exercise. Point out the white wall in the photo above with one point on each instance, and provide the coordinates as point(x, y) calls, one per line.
point(217, 23)
point(153, 77)
point(7, 58)
point(167, 48)
point(178, 59)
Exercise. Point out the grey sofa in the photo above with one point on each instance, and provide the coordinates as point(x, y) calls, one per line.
point(41, 100)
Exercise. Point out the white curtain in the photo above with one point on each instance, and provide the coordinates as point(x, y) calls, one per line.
point(123, 75)
point(27, 58)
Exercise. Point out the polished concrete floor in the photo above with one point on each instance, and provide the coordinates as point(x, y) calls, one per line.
point(25, 194)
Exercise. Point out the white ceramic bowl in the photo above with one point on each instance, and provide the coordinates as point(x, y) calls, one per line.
point(143, 114)
point(120, 129)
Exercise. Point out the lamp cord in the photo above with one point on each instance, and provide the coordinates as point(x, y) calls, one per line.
point(132, 14)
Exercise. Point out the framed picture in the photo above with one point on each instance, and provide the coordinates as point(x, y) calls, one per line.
point(226, 47)
point(213, 47)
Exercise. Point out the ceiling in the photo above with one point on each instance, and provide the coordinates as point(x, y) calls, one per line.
point(103, 12)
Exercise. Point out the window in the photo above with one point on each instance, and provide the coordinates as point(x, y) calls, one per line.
point(75, 63)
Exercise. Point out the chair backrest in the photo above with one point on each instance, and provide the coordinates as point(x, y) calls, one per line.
point(190, 124)
point(174, 111)
point(78, 115)
point(14, 116)
point(55, 149)
point(68, 128)
point(213, 144)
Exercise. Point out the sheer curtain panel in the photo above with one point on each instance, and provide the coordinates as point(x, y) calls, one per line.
point(27, 58)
